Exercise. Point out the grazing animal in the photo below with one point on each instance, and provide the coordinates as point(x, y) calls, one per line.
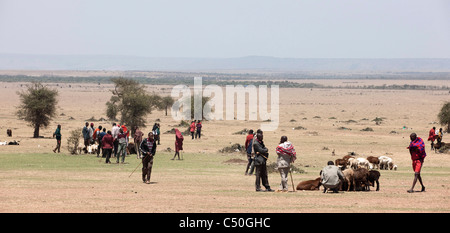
point(352, 163)
point(387, 163)
point(341, 163)
point(131, 149)
point(309, 184)
point(348, 180)
point(362, 162)
point(373, 178)
point(438, 146)
point(360, 178)
point(374, 161)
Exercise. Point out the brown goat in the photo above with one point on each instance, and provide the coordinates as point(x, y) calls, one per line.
point(347, 184)
point(309, 184)
point(374, 160)
point(373, 178)
point(341, 162)
point(360, 179)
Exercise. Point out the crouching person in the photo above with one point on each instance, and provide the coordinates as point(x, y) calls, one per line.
point(331, 177)
point(148, 150)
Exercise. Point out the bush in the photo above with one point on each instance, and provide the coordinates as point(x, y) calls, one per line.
point(73, 141)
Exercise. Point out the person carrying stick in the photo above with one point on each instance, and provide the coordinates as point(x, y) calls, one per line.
point(286, 155)
point(148, 150)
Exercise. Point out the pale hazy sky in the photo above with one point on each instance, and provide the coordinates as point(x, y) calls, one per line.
point(228, 28)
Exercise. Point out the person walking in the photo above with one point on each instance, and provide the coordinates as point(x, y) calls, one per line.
point(261, 156)
point(122, 148)
point(178, 143)
point(107, 145)
point(148, 148)
point(331, 177)
point(286, 155)
point(137, 141)
point(248, 148)
point(192, 129)
point(199, 129)
point(57, 134)
point(417, 151)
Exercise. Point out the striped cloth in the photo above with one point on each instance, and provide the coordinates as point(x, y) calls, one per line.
point(286, 148)
point(418, 153)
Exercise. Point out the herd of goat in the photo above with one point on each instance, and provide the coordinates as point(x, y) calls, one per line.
point(359, 173)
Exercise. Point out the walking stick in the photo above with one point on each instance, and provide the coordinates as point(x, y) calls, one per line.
point(292, 180)
point(138, 165)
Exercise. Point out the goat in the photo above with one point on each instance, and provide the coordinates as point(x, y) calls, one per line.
point(309, 184)
point(360, 178)
point(341, 163)
point(373, 178)
point(374, 161)
point(348, 180)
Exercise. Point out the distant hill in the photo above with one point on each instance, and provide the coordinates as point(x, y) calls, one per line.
point(254, 63)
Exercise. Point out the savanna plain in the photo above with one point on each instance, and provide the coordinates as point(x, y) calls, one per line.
point(33, 179)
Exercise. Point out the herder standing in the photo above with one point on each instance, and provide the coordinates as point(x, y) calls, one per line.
point(178, 143)
point(261, 156)
point(148, 150)
point(286, 155)
point(417, 150)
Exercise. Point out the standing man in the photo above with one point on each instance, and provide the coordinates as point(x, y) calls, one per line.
point(199, 129)
point(432, 136)
point(248, 148)
point(261, 156)
point(107, 146)
point(417, 150)
point(192, 129)
point(86, 136)
point(122, 138)
point(331, 177)
point(114, 133)
point(57, 133)
point(137, 141)
point(148, 148)
point(286, 155)
point(178, 143)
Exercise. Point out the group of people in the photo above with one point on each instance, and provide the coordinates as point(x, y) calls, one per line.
point(331, 176)
point(257, 155)
point(433, 135)
point(196, 129)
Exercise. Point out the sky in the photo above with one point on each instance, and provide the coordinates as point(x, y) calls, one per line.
point(228, 28)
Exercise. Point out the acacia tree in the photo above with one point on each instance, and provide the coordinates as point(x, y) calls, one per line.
point(38, 106)
point(444, 115)
point(130, 101)
point(166, 102)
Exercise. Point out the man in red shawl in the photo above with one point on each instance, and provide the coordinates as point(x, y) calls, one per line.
point(432, 136)
point(417, 151)
point(178, 143)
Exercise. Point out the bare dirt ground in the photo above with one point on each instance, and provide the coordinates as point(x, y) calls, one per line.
point(202, 182)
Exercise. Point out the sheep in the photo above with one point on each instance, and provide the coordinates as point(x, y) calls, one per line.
point(309, 184)
point(386, 163)
point(362, 162)
point(374, 161)
point(373, 178)
point(353, 163)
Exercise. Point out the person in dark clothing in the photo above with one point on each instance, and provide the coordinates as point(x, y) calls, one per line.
point(57, 134)
point(261, 156)
point(107, 145)
point(148, 150)
point(248, 148)
point(199, 130)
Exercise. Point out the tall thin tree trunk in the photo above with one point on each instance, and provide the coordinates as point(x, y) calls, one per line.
point(36, 131)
